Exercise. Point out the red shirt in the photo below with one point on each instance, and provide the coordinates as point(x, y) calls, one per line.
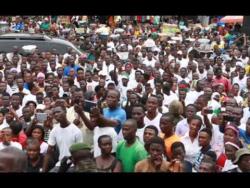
point(221, 161)
point(223, 81)
point(21, 138)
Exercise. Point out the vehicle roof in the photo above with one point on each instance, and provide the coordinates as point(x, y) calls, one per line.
point(38, 36)
point(21, 35)
point(25, 35)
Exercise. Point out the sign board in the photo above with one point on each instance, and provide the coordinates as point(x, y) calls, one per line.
point(64, 19)
point(80, 30)
point(169, 29)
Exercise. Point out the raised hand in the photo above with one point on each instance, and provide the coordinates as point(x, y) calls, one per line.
point(78, 108)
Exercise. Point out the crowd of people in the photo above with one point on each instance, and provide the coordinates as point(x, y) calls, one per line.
point(135, 100)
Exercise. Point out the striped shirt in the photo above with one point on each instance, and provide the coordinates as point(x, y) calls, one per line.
point(200, 156)
point(46, 136)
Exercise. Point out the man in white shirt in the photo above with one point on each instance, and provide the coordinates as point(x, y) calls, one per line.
point(143, 54)
point(244, 58)
point(158, 67)
point(149, 61)
point(123, 87)
point(134, 82)
point(3, 124)
point(108, 66)
point(201, 71)
point(11, 82)
point(169, 96)
point(241, 79)
point(138, 114)
point(63, 136)
point(182, 126)
point(15, 52)
point(16, 104)
point(91, 84)
point(4, 87)
point(31, 96)
point(246, 115)
point(192, 96)
point(179, 57)
point(64, 89)
point(20, 87)
point(152, 115)
point(183, 75)
point(53, 66)
point(184, 59)
point(7, 136)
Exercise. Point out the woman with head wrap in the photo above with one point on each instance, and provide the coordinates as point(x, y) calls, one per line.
point(231, 134)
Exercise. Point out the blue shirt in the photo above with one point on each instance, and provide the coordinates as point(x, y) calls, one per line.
point(117, 114)
point(19, 26)
point(26, 86)
point(244, 137)
point(67, 69)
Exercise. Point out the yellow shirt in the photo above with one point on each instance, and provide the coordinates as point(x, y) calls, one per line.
point(247, 68)
point(221, 45)
point(168, 143)
point(137, 33)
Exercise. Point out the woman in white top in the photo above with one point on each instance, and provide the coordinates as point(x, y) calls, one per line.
point(38, 133)
point(190, 139)
point(3, 123)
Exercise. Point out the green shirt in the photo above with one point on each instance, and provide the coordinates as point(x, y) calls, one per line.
point(45, 26)
point(129, 156)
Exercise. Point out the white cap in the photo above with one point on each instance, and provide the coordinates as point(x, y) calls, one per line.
point(156, 49)
point(124, 77)
point(171, 42)
point(40, 106)
point(103, 73)
point(215, 94)
point(179, 52)
point(239, 63)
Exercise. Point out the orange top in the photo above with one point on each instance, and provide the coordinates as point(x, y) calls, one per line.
point(168, 143)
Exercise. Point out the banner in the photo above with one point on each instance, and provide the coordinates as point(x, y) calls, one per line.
point(169, 29)
point(64, 19)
